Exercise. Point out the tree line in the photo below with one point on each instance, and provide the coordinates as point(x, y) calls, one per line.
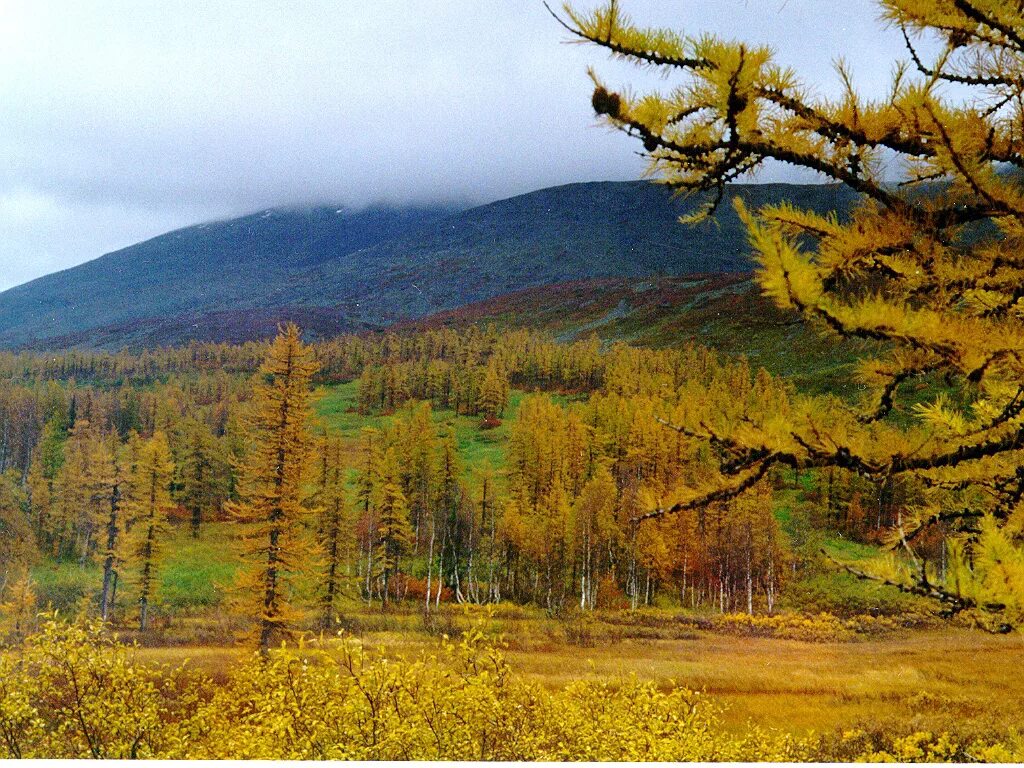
point(398, 516)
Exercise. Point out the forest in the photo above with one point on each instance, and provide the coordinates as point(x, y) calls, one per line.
point(310, 503)
point(104, 455)
point(492, 543)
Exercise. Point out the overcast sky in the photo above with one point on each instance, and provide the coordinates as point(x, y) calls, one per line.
point(122, 120)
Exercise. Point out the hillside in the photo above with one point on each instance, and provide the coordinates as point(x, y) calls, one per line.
point(724, 311)
point(229, 280)
point(230, 326)
point(207, 268)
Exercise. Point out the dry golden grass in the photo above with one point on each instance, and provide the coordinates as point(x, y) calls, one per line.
point(928, 677)
point(798, 686)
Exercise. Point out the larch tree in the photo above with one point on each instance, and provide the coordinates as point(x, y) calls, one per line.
point(594, 525)
point(70, 498)
point(46, 463)
point(369, 482)
point(449, 493)
point(148, 503)
point(493, 394)
point(394, 532)
point(273, 489)
point(17, 544)
point(486, 481)
point(203, 475)
point(113, 524)
point(334, 527)
point(82, 490)
point(929, 269)
point(19, 606)
point(417, 446)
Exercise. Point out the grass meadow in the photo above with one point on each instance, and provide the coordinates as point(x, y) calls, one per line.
point(931, 679)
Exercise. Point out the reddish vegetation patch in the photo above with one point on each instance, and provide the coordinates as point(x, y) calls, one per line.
point(569, 305)
point(416, 589)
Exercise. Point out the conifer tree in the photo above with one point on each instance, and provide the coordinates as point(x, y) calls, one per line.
point(493, 393)
point(594, 524)
point(930, 269)
point(394, 533)
point(369, 482)
point(19, 611)
point(17, 548)
point(273, 489)
point(203, 486)
point(148, 504)
point(414, 438)
point(46, 463)
point(81, 492)
point(334, 527)
point(486, 481)
point(113, 526)
point(447, 507)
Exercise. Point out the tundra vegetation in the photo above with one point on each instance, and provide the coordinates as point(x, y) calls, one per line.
point(370, 545)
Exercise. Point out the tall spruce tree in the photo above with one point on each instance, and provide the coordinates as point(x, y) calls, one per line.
point(203, 482)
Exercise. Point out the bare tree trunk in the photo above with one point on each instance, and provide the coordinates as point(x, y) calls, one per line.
point(108, 560)
point(430, 565)
point(471, 590)
point(369, 568)
point(750, 589)
point(440, 571)
point(459, 597)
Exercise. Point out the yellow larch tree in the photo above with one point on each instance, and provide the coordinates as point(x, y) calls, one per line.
point(594, 531)
point(17, 544)
point(493, 395)
point(928, 269)
point(147, 506)
point(335, 527)
point(394, 532)
point(369, 481)
point(273, 489)
point(113, 524)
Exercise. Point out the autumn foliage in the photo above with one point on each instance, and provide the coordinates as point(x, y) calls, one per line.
point(928, 269)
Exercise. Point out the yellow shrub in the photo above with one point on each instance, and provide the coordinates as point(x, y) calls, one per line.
point(72, 692)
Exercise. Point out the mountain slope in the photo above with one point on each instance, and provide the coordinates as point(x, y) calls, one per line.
point(723, 311)
point(578, 231)
point(213, 267)
point(380, 265)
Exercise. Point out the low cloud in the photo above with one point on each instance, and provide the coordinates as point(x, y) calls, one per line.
point(122, 120)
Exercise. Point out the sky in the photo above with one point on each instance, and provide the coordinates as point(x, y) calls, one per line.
point(122, 120)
